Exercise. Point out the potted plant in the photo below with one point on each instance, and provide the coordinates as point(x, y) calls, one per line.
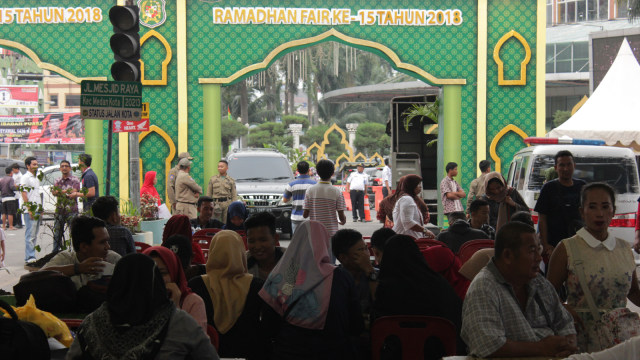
point(150, 221)
point(129, 217)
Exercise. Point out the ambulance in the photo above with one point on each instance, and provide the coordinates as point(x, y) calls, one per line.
point(533, 166)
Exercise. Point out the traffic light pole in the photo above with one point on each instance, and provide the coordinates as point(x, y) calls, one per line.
point(134, 170)
point(107, 184)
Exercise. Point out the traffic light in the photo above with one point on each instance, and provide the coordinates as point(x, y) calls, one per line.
point(125, 43)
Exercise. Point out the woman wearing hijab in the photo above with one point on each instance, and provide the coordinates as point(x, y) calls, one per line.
point(180, 224)
point(149, 187)
point(236, 215)
point(503, 200)
point(408, 286)
point(231, 298)
point(137, 321)
point(316, 300)
point(176, 283)
point(409, 210)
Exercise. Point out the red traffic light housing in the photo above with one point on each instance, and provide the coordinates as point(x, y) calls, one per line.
point(125, 43)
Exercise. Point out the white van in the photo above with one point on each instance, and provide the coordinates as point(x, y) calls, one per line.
point(612, 165)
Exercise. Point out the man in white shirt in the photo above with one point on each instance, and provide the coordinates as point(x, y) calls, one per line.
point(32, 206)
point(386, 179)
point(357, 189)
point(92, 256)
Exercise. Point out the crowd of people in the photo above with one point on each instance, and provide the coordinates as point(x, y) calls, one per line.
point(320, 297)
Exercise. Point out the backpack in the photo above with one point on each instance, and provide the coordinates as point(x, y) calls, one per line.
point(21, 339)
point(52, 290)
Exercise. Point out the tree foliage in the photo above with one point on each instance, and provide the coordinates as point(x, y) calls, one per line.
point(560, 117)
point(231, 130)
point(371, 138)
point(269, 133)
point(295, 119)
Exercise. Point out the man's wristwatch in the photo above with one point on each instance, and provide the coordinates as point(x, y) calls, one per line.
point(373, 276)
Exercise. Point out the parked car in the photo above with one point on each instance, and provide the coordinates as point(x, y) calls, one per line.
point(375, 175)
point(261, 176)
point(50, 175)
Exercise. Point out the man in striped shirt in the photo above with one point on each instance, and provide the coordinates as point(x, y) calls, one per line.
point(296, 190)
point(323, 201)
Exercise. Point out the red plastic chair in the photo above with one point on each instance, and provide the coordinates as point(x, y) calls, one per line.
point(140, 246)
point(203, 239)
point(204, 242)
point(428, 242)
point(470, 247)
point(72, 324)
point(206, 232)
point(213, 336)
point(412, 331)
point(243, 234)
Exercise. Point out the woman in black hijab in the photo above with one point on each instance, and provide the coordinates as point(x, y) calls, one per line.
point(138, 321)
point(408, 286)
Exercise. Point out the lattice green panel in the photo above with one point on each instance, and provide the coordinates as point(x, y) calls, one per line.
point(511, 104)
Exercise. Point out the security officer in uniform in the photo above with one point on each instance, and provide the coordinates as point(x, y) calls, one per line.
point(187, 191)
point(222, 189)
point(171, 181)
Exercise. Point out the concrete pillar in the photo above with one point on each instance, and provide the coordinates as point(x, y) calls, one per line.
point(351, 128)
point(296, 131)
point(212, 130)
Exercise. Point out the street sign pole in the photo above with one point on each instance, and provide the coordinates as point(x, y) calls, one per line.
point(134, 170)
point(107, 184)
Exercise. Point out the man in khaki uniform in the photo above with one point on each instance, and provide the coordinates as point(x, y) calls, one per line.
point(187, 191)
point(171, 181)
point(222, 189)
point(476, 189)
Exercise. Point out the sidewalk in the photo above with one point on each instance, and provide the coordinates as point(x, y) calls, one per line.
point(14, 258)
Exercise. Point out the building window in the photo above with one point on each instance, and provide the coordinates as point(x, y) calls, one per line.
point(73, 100)
point(53, 100)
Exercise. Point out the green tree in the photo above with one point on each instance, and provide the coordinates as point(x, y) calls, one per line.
point(560, 117)
point(231, 130)
point(269, 133)
point(295, 119)
point(371, 138)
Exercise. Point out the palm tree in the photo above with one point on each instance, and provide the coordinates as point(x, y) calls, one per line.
point(422, 111)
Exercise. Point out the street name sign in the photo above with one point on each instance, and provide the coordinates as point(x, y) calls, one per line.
point(111, 100)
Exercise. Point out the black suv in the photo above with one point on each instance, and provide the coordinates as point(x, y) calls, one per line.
point(261, 176)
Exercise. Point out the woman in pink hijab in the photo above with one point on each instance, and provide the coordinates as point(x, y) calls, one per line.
point(149, 186)
point(316, 300)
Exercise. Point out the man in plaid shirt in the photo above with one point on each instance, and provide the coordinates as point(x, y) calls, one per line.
point(510, 309)
point(66, 189)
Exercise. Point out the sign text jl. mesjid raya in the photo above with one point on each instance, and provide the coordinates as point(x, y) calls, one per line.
point(111, 100)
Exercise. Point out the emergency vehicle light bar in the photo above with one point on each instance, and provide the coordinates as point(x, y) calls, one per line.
point(562, 141)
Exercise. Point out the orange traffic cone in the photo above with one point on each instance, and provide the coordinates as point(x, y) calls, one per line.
point(367, 212)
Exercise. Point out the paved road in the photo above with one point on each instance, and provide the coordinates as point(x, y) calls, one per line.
point(14, 259)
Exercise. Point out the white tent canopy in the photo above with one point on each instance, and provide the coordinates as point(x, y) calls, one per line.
point(612, 113)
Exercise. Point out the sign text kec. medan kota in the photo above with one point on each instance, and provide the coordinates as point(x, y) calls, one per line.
point(309, 16)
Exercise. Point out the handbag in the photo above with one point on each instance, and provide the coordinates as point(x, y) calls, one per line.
point(52, 290)
point(614, 326)
point(21, 339)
